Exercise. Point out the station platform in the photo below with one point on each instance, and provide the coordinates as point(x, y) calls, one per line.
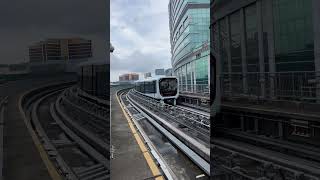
point(128, 161)
point(21, 156)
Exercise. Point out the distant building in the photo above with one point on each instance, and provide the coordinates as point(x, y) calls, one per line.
point(168, 72)
point(58, 55)
point(159, 72)
point(60, 49)
point(129, 77)
point(147, 75)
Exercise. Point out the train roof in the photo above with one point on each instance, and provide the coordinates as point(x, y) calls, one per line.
point(154, 78)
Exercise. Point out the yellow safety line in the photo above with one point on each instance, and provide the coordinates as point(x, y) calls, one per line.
point(152, 165)
point(44, 156)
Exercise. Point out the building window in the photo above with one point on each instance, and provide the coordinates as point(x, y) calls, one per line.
point(235, 42)
point(224, 37)
point(266, 31)
point(293, 32)
point(236, 60)
point(252, 45)
point(201, 69)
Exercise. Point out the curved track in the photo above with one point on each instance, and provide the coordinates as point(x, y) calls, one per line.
point(72, 149)
point(176, 158)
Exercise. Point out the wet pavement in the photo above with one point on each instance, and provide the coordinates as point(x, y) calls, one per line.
point(128, 161)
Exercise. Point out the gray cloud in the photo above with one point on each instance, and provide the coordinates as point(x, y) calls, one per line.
point(140, 34)
point(139, 62)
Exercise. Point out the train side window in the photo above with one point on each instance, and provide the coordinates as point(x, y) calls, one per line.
point(143, 87)
point(153, 86)
point(147, 87)
point(140, 90)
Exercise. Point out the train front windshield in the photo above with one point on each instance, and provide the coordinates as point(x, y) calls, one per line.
point(168, 86)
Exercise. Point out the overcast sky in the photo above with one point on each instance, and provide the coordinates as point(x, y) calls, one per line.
point(140, 35)
point(28, 21)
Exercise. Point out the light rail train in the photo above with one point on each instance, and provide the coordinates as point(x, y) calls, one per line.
point(161, 88)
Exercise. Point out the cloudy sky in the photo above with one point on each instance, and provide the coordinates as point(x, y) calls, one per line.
point(26, 22)
point(140, 35)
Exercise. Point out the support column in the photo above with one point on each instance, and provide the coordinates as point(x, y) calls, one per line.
point(261, 49)
point(229, 52)
point(219, 90)
point(256, 125)
point(316, 34)
point(1, 137)
point(194, 76)
point(243, 51)
point(208, 64)
point(280, 129)
point(186, 77)
point(242, 122)
point(271, 47)
point(191, 76)
point(217, 52)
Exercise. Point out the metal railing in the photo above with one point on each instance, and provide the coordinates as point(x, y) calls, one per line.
point(195, 89)
point(299, 85)
point(177, 114)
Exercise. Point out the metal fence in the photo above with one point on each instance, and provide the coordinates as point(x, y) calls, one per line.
point(297, 86)
point(202, 89)
point(301, 86)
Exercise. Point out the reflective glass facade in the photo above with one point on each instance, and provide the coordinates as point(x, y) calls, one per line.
point(265, 47)
point(294, 49)
point(189, 36)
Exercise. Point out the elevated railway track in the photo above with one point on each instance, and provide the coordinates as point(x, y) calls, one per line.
point(71, 149)
point(178, 129)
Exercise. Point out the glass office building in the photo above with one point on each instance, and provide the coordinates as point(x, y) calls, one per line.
point(267, 48)
point(189, 22)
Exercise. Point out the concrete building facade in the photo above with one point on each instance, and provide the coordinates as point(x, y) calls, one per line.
point(159, 72)
point(147, 75)
point(129, 77)
point(60, 49)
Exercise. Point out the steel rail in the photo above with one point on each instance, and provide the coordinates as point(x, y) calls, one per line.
point(101, 169)
point(52, 151)
point(264, 157)
point(163, 126)
point(176, 114)
point(88, 136)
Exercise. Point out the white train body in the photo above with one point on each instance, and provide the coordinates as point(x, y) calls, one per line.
point(165, 89)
